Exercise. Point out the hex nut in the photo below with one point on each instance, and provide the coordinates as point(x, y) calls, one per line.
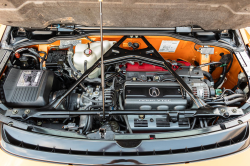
point(223, 110)
point(157, 77)
point(14, 111)
point(234, 110)
point(141, 116)
point(27, 111)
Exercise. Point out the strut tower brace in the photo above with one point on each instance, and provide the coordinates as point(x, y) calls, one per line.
point(148, 55)
point(117, 55)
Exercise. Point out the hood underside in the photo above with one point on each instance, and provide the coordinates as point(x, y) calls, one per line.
point(210, 15)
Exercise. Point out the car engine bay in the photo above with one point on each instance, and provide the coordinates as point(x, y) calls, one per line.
point(152, 84)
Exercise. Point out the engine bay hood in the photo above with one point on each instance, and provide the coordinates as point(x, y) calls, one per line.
point(210, 15)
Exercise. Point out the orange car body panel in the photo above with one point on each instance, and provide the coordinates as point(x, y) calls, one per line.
point(184, 51)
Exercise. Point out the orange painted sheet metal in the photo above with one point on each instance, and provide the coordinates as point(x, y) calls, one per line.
point(184, 51)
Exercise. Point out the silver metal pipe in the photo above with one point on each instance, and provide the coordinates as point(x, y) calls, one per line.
point(205, 122)
point(201, 123)
point(134, 28)
point(193, 123)
point(102, 64)
point(125, 28)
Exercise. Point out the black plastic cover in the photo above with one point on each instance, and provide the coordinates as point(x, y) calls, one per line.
point(28, 87)
point(55, 55)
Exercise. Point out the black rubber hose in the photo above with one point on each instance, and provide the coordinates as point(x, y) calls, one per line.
point(44, 55)
point(42, 58)
point(34, 57)
point(12, 57)
point(71, 65)
point(222, 77)
point(33, 51)
point(231, 62)
point(207, 64)
point(122, 76)
point(209, 77)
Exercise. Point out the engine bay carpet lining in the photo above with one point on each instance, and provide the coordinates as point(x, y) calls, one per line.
point(210, 15)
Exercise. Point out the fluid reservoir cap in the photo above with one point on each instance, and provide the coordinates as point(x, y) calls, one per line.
point(87, 52)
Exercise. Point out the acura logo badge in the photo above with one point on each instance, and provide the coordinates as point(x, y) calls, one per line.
point(154, 92)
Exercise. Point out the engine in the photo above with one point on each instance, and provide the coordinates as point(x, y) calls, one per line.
point(133, 85)
point(158, 90)
point(149, 87)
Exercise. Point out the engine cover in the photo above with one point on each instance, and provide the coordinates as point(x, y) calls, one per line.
point(28, 88)
point(154, 96)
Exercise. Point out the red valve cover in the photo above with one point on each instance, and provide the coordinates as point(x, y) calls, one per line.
point(143, 67)
point(150, 68)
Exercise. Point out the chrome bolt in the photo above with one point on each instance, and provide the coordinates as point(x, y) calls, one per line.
point(223, 110)
point(14, 111)
point(234, 110)
point(27, 111)
point(141, 116)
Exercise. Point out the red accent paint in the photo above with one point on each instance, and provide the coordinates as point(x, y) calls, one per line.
point(185, 63)
point(151, 68)
point(143, 67)
point(17, 55)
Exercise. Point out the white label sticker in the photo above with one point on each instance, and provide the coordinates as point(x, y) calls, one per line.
point(168, 46)
point(64, 43)
point(30, 78)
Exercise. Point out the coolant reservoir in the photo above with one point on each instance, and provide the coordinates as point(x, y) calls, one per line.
point(86, 55)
